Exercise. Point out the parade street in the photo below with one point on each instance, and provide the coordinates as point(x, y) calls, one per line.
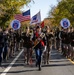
point(36, 37)
point(58, 65)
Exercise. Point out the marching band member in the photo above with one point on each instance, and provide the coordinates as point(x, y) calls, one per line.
point(11, 42)
point(57, 32)
point(5, 37)
point(72, 44)
point(27, 44)
point(67, 36)
point(39, 45)
point(63, 39)
point(49, 35)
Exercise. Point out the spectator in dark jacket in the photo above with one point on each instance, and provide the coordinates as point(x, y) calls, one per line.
point(1, 44)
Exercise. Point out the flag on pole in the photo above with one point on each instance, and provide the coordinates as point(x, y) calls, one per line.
point(36, 18)
point(42, 24)
point(25, 16)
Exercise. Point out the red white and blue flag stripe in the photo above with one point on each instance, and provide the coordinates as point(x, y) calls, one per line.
point(25, 16)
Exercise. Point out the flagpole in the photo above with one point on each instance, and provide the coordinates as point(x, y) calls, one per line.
point(40, 11)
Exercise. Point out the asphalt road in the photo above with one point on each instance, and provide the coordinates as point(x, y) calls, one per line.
point(58, 65)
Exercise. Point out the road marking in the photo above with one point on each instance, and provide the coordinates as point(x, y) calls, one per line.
point(71, 61)
point(11, 64)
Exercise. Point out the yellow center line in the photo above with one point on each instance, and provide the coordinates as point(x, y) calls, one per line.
point(71, 61)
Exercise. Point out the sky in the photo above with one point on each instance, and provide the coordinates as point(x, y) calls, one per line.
point(43, 6)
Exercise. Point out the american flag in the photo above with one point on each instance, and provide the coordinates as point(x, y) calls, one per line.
point(23, 17)
point(36, 18)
